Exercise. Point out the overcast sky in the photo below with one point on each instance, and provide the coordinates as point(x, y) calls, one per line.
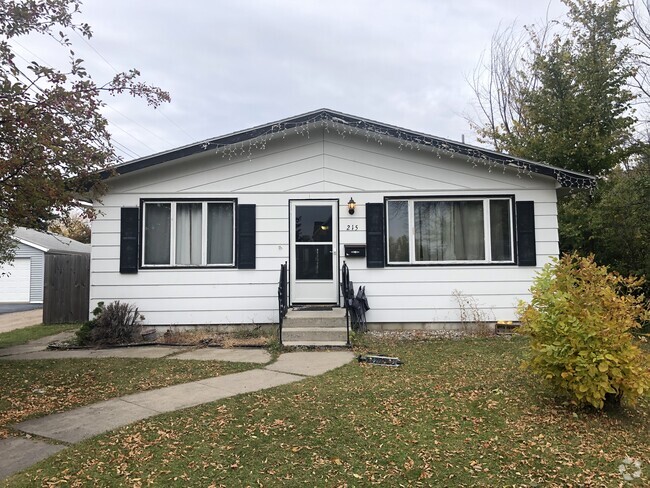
point(233, 64)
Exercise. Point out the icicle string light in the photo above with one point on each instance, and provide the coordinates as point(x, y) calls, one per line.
point(342, 125)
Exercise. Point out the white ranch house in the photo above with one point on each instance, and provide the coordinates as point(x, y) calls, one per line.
point(197, 235)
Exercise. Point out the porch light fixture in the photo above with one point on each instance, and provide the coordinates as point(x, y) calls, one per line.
point(351, 206)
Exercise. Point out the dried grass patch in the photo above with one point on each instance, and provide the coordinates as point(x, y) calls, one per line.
point(216, 339)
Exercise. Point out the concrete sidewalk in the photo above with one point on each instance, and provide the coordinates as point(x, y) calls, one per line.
point(37, 349)
point(86, 422)
point(37, 345)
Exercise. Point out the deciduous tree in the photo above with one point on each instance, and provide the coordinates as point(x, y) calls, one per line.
point(74, 226)
point(53, 137)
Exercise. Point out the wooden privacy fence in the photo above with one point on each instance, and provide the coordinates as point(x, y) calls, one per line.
point(66, 288)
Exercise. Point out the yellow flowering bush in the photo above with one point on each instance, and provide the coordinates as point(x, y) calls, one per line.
point(579, 321)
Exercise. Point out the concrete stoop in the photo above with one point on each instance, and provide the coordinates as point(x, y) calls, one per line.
point(315, 328)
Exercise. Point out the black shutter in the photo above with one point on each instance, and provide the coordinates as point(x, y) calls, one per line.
point(375, 235)
point(526, 234)
point(246, 236)
point(129, 226)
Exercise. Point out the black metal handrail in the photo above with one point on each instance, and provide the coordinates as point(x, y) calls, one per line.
point(282, 297)
point(346, 291)
point(355, 305)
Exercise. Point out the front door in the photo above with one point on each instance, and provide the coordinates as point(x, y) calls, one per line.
point(314, 245)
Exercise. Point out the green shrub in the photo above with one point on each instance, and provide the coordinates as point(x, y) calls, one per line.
point(579, 321)
point(115, 323)
point(85, 332)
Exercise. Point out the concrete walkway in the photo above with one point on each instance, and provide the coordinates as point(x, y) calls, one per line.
point(57, 431)
point(37, 345)
point(38, 350)
point(18, 307)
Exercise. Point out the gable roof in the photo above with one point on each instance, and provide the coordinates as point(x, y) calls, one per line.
point(49, 242)
point(357, 125)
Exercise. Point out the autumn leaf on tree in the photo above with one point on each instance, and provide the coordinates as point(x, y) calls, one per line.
point(53, 138)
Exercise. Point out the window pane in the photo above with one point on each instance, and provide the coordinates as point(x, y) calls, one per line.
point(449, 231)
point(500, 230)
point(314, 262)
point(188, 233)
point(157, 233)
point(220, 233)
point(313, 223)
point(398, 232)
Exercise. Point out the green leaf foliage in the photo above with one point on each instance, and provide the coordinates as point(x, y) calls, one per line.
point(580, 320)
point(612, 223)
point(54, 139)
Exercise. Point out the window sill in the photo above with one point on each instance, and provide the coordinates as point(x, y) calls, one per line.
point(450, 264)
point(210, 266)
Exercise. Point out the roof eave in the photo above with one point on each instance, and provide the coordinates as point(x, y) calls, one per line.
point(30, 244)
point(565, 178)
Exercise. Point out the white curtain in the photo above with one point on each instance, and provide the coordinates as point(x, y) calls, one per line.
point(469, 231)
point(220, 233)
point(188, 233)
point(449, 231)
point(156, 233)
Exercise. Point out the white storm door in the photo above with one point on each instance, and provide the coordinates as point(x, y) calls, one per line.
point(15, 280)
point(314, 244)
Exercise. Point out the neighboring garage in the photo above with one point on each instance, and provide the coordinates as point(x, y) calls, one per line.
point(22, 280)
point(15, 281)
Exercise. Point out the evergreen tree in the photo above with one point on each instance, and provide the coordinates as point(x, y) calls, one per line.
point(568, 103)
point(575, 107)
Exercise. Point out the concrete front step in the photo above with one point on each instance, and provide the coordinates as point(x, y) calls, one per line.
point(308, 318)
point(315, 328)
point(315, 343)
point(310, 334)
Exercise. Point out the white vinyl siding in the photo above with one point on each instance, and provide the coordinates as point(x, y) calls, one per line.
point(321, 166)
point(37, 270)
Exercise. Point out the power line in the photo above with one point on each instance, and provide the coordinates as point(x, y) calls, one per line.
point(176, 125)
point(124, 149)
point(30, 52)
point(117, 71)
point(96, 51)
point(137, 123)
point(35, 88)
point(132, 136)
point(107, 105)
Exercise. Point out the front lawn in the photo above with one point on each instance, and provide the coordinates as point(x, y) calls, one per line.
point(458, 413)
point(36, 388)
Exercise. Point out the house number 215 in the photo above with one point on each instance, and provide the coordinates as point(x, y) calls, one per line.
point(352, 227)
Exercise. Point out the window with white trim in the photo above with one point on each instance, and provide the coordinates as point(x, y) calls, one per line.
point(188, 233)
point(434, 231)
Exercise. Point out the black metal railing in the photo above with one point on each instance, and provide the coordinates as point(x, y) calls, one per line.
point(355, 305)
point(347, 292)
point(283, 298)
